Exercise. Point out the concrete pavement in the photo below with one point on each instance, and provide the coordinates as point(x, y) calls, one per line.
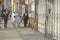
point(11, 33)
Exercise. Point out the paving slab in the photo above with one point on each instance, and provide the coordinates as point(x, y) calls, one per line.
point(12, 33)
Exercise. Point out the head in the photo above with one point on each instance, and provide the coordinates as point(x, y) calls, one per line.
point(13, 12)
point(17, 12)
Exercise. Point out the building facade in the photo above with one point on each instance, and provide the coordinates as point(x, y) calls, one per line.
point(48, 18)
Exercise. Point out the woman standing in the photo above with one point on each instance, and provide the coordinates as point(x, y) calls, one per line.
point(18, 19)
point(13, 18)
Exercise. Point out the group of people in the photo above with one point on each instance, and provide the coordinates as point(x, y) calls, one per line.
point(15, 17)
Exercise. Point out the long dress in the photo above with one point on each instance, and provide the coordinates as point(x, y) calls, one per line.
point(13, 20)
point(18, 20)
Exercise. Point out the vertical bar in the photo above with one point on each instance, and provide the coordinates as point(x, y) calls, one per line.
point(36, 14)
point(12, 5)
point(57, 19)
point(53, 19)
point(51, 23)
point(46, 21)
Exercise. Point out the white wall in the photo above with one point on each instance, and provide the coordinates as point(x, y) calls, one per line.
point(58, 19)
point(54, 17)
point(55, 12)
point(41, 15)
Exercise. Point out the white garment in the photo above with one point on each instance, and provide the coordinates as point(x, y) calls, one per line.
point(12, 18)
point(18, 20)
point(5, 14)
point(9, 16)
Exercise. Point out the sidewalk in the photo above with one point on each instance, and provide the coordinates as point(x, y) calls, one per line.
point(12, 33)
point(28, 34)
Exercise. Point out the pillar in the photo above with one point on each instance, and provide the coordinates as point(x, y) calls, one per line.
point(26, 8)
point(36, 14)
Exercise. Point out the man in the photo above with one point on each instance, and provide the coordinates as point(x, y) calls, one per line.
point(5, 17)
point(25, 17)
point(10, 15)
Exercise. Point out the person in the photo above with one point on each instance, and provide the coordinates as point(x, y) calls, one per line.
point(18, 19)
point(25, 17)
point(13, 19)
point(5, 17)
point(10, 15)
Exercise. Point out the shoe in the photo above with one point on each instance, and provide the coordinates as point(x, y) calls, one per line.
point(0, 27)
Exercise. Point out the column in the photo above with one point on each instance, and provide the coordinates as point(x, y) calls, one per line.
point(12, 5)
point(26, 8)
point(36, 14)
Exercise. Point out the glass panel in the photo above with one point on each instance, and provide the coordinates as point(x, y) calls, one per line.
point(33, 6)
point(26, 1)
point(29, 9)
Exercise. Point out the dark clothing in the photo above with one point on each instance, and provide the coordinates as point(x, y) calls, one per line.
point(5, 18)
point(25, 23)
point(5, 22)
point(25, 19)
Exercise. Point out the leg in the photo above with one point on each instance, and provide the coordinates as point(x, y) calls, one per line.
point(5, 23)
point(24, 23)
point(18, 24)
point(14, 24)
